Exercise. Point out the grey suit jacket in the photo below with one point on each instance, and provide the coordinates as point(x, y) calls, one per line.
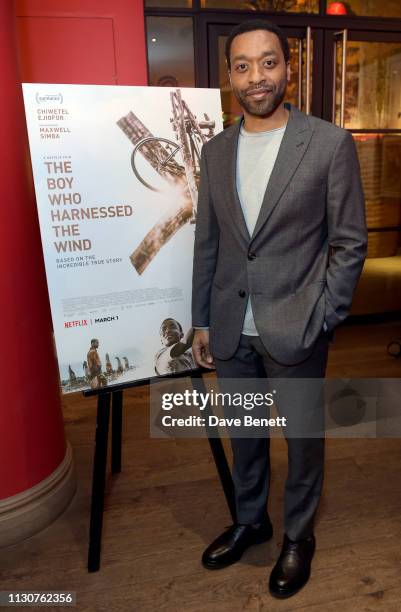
point(301, 265)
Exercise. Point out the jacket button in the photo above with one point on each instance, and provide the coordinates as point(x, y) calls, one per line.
point(241, 293)
point(251, 255)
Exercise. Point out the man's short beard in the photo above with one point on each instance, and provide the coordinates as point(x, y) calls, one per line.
point(262, 108)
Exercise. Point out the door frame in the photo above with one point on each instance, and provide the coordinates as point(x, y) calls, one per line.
point(353, 35)
point(203, 18)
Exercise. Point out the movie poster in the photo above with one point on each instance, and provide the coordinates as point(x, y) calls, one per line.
point(116, 172)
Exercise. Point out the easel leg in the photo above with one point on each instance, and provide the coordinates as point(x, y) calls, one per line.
point(116, 431)
point(99, 480)
point(219, 456)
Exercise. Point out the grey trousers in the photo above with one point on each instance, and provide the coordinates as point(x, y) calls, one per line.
point(251, 460)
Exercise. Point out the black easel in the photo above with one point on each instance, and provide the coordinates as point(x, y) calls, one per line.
point(113, 397)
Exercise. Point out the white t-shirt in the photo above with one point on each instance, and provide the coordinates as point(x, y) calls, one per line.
point(256, 156)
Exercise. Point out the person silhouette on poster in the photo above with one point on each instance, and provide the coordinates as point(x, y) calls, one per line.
point(96, 378)
point(176, 356)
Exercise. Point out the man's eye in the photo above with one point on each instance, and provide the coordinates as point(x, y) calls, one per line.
point(269, 63)
point(241, 67)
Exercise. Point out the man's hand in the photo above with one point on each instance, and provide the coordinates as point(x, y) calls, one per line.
point(200, 349)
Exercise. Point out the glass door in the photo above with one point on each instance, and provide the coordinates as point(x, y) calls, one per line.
point(304, 89)
point(361, 93)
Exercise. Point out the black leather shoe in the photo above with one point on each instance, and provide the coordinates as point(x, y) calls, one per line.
point(230, 545)
point(292, 569)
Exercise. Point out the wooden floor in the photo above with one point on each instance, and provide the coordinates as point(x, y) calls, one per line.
point(167, 505)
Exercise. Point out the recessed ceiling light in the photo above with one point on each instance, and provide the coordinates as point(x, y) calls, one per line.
point(154, 39)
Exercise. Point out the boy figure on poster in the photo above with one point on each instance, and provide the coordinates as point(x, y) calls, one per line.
point(97, 379)
point(279, 246)
point(176, 355)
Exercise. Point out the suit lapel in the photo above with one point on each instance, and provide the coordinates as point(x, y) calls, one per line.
point(292, 148)
point(233, 201)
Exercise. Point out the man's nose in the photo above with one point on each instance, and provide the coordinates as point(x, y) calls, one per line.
point(255, 73)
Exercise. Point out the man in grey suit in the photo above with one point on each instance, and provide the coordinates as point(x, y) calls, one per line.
point(279, 246)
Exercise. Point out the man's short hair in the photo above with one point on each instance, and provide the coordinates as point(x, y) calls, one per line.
point(171, 319)
point(94, 340)
point(257, 24)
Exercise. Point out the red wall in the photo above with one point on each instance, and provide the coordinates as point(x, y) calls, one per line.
point(82, 41)
point(67, 41)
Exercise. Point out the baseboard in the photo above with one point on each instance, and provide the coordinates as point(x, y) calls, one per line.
point(26, 513)
point(393, 316)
